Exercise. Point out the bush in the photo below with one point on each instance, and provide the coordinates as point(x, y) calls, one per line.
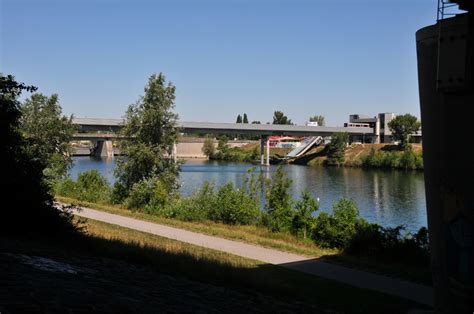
point(278, 205)
point(408, 160)
point(390, 244)
point(150, 195)
point(92, 187)
point(303, 220)
point(234, 206)
point(336, 148)
point(198, 206)
point(67, 188)
point(208, 148)
point(337, 228)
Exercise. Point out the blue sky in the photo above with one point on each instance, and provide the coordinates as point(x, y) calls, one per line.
point(225, 57)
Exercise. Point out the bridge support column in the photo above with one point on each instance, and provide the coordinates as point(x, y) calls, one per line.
point(175, 152)
point(103, 149)
point(264, 140)
point(267, 163)
point(445, 72)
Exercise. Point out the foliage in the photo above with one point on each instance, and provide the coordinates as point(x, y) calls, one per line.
point(389, 244)
point(90, 186)
point(150, 195)
point(198, 206)
point(233, 206)
point(303, 219)
point(28, 207)
point(228, 205)
point(48, 134)
point(279, 200)
point(239, 119)
point(319, 119)
point(224, 152)
point(150, 126)
point(208, 148)
point(402, 127)
point(337, 228)
point(245, 119)
point(336, 148)
point(256, 122)
point(280, 118)
point(408, 159)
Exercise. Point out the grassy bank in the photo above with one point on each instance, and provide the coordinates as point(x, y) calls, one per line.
point(277, 240)
point(384, 156)
point(186, 261)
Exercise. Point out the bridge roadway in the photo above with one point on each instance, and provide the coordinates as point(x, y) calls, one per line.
point(113, 125)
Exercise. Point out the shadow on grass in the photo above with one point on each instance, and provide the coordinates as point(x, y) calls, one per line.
point(285, 284)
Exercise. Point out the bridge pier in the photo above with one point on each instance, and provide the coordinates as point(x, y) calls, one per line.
point(264, 140)
point(103, 149)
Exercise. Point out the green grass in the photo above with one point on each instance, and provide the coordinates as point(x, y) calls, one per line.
point(280, 241)
point(249, 234)
point(223, 269)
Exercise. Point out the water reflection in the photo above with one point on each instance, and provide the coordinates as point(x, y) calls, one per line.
point(386, 197)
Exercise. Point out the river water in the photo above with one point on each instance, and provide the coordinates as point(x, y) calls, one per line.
point(389, 198)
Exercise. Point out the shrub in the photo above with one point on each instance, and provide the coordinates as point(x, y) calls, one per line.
point(234, 206)
point(208, 148)
point(92, 187)
point(278, 202)
point(66, 187)
point(389, 244)
point(337, 228)
point(150, 195)
point(336, 148)
point(198, 206)
point(303, 220)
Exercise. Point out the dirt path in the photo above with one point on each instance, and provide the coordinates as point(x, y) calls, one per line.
point(361, 279)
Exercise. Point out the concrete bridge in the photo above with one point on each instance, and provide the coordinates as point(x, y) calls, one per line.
point(107, 128)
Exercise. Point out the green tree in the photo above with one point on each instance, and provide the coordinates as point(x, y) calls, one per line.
point(256, 122)
point(278, 203)
point(28, 205)
point(336, 148)
point(48, 133)
point(319, 119)
point(208, 148)
point(304, 209)
point(150, 126)
point(239, 119)
point(338, 228)
point(403, 127)
point(280, 118)
point(246, 119)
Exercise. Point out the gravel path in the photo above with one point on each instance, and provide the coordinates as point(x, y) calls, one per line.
point(361, 279)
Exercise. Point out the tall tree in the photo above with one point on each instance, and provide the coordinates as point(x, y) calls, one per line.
point(403, 127)
point(150, 126)
point(280, 118)
point(304, 210)
point(246, 119)
point(27, 205)
point(337, 147)
point(278, 203)
point(209, 149)
point(239, 119)
point(319, 119)
point(48, 133)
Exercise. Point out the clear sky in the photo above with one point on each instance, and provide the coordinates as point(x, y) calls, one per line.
point(327, 57)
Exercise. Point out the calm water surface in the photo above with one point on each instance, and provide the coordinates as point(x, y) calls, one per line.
point(389, 198)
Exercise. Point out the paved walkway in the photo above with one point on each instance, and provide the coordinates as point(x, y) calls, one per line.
point(361, 279)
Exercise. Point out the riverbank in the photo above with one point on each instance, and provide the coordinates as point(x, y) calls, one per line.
point(375, 156)
point(262, 236)
point(113, 269)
